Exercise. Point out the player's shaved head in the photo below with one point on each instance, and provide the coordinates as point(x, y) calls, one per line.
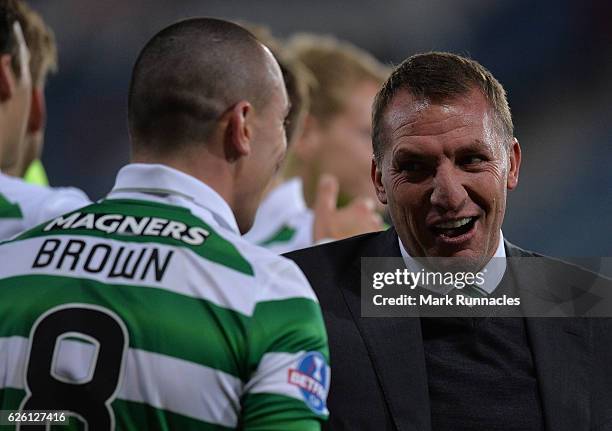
point(187, 76)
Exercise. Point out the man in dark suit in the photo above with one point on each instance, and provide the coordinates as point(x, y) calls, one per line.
point(444, 158)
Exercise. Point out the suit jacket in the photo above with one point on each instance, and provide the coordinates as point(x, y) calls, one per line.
point(379, 383)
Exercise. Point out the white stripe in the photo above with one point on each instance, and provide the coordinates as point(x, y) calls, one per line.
point(160, 381)
point(13, 352)
point(188, 273)
point(182, 387)
point(282, 279)
point(272, 376)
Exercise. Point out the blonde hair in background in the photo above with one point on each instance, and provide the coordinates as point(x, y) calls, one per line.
point(338, 67)
point(298, 79)
point(40, 41)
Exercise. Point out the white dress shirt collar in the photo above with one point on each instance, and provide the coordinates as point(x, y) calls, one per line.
point(493, 272)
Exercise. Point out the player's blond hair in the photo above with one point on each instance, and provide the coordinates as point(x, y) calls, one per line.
point(40, 41)
point(337, 66)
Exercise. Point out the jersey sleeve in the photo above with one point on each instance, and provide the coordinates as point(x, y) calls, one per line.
point(288, 356)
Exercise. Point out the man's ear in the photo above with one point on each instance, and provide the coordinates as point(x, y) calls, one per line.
point(36, 121)
point(239, 131)
point(376, 174)
point(514, 160)
point(7, 79)
point(306, 147)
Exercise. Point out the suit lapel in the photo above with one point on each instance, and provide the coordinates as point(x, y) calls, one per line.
point(560, 353)
point(395, 347)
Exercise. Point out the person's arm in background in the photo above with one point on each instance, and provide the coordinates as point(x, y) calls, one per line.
point(332, 223)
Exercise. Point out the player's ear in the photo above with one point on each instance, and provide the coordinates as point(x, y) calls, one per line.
point(306, 147)
point(514, 162)
point(36, 121)
point(376, 174)
point(239, 130)
point(7, 79)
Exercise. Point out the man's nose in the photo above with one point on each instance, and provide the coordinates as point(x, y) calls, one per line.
point(448, 193)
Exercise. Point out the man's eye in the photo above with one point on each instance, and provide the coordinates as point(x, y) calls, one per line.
point(473, 160)
point(412, 166)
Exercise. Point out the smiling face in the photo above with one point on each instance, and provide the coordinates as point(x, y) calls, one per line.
point(444, 175)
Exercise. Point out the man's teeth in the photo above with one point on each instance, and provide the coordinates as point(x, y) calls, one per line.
point(454, 224)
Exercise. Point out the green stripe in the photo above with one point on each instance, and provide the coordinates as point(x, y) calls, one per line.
point(129, 415)
point(215, 248)
point(173, 324)
point(288, 325)
point(157, 320)
point(277, 412)
point(284, 234)
point(11, 398)
point(9, 209)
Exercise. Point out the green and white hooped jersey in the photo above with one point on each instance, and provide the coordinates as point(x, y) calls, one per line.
point(24, 205)
point(142, 314)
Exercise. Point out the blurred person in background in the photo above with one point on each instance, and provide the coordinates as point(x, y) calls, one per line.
point(40, 41)
point(186, 324)
point(283, 222)
point(330, 151)
point(15, 84)
point(22, 119)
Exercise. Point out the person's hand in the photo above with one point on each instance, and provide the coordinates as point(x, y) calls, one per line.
point(332, 223)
